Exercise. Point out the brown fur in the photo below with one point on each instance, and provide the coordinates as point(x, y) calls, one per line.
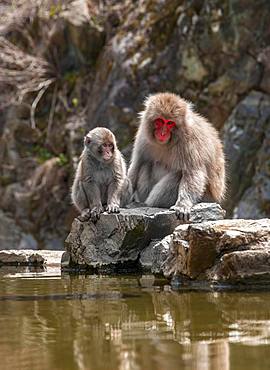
point(193, 159)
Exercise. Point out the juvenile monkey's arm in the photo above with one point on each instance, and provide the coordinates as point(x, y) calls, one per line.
point(92, 193)
point(191, 190)
point(114, 193)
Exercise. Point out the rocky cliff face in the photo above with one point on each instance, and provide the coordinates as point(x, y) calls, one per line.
point(67, 68)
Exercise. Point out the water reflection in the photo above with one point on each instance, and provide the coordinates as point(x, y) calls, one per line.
point(127, 323)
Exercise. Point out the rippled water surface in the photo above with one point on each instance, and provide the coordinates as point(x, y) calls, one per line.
point(128, 323)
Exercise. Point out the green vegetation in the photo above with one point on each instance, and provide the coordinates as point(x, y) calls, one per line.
point(42, 153)
point(75, 102)
point(62, 160)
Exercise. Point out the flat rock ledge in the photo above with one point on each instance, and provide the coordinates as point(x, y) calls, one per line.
point(126, 240)
point(29, 257)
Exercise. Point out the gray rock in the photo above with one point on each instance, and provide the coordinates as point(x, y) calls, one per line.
point(225, 250)
point(30, 257)
point(147, 255)
point(12, 236)
point(160, 253)
point(121, 239)
point(243, 266)
point(246, 141)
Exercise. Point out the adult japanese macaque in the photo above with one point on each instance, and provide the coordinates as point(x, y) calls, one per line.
point(177, 159)
point(100, 176)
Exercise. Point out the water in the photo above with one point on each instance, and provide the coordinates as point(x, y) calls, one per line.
point(128, 323)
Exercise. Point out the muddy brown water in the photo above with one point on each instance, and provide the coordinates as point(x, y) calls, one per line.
point(48, 321)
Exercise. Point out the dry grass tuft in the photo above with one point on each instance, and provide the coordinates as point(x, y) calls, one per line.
point(26, 73)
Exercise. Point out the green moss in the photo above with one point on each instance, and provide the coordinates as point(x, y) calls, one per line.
point(62, 160)
point(42, 154)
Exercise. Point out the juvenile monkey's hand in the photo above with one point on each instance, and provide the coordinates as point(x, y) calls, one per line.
point(112, 208)
point(85, 215)
point(95, 213)
point(182, 212)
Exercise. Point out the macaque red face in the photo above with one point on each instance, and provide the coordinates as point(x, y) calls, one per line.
point(162, 130)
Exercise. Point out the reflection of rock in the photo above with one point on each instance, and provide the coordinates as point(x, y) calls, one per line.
point(220, 250)
point(130, 327)
point(121, 238)
point(244, 315)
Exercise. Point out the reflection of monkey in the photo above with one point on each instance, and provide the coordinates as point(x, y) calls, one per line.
point(178, 158)
point(100, 175)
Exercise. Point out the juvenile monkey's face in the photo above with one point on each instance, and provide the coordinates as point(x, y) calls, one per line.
point(101, 148)
point(163, 129)
point(106, 150)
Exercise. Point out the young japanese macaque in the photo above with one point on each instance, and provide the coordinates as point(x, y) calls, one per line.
point(100, 176)
point(177, 159)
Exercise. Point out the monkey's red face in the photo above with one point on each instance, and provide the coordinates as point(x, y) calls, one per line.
point(163, 129)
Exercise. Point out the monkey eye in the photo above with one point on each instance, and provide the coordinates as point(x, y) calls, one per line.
point(171, 124)
point(159, 122)
point(106, 145)
point(87, 140)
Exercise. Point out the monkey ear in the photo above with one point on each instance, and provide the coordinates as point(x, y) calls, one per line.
point(189, 115)
point(87, 140)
